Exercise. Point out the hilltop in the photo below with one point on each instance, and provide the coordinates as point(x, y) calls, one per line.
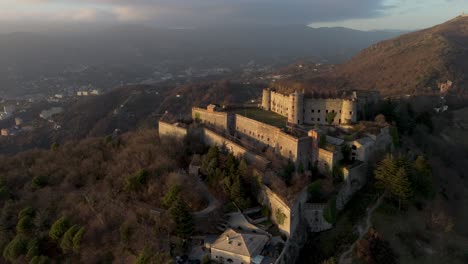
point(415, 63)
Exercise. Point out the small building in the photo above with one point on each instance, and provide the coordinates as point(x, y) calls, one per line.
point(18, 121)
point(361, 149)
point(46, 114)
point(238, 247)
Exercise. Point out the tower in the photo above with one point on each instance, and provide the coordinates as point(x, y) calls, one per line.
point(266, 99)
point(348, 112)
point(296, 106)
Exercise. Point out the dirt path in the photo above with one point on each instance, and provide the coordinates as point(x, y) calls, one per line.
point(346, 257)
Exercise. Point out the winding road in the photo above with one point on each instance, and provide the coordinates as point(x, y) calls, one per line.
point(346, 257)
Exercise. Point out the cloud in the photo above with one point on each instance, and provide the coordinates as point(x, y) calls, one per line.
point(197, 12)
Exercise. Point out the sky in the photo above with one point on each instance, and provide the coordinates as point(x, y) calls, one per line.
point(18, 15)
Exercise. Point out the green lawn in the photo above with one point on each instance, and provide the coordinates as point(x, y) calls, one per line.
point(266, 117)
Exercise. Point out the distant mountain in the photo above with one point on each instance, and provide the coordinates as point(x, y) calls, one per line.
point(414, 63)
point(141, 49)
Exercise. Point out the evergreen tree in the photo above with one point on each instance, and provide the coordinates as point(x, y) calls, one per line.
point(401, 186)
point(77, 238)
point(182, 217)
point(392, 176)
point(59, 228)
point(67, 240)
point(238, 194)
point(423, 180)
point(171, 195)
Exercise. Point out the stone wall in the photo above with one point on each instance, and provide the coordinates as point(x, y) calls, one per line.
point(316, 111)
point(216, 119)
point(171, 130)
point(313, 214)
point(354, 180)
point(301, 110)
point(270, 199)
point(280, 103)
point(326, 160)
point(211, 138)
point(296, 149)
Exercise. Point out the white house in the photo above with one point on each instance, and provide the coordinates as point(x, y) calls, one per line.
point(237, 247)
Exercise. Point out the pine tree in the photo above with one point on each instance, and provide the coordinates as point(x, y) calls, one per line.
point(182, 217)
point(401, 186)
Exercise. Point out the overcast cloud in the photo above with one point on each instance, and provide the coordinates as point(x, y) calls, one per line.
point(220, 12)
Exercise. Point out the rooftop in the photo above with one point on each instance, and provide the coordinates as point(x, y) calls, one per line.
point(246, 244)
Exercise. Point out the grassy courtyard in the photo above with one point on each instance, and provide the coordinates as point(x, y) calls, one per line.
point(266, 117)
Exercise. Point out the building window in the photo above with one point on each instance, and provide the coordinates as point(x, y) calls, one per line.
point(318, 111)
point(318, 119)
point(313, 110)
point(326, 111)
point(312, 119)
point(350, 112)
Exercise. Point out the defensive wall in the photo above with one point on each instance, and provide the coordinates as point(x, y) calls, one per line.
point(173, 130)
point(302, 110)
point(211, 138)
point(296, 149)
point(354, 179)
point(217, 119)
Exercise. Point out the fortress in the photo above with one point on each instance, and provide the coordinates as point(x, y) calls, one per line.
point(300, 109)
point(311, 133)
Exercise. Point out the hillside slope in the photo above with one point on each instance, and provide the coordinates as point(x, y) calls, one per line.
point(414, 63)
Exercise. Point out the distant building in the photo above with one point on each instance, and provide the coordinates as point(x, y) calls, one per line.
point(4, 132)
point(46, 114)
point(18, 121)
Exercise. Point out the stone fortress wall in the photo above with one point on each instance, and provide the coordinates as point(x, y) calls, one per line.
point(212, 117)
point(303, 110)
point(173, 130)
point(293, 148)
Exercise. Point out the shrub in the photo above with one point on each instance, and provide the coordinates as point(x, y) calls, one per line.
point(33, 248)
point(40, 260)
point(171, 195)
point(59, 228)
point(67, 240)
point(136, 182)
point(39, 182)
point(144, 257)
point(25, 225)
point(28, 211)
point(125, 233)
point(16, 248)
point(315, 192)
point(206, 259)
point(77, 238)
point(280, 217)
point(330, 211)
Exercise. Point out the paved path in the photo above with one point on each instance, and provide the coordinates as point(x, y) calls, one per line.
point(213, 203)
point(346, 257)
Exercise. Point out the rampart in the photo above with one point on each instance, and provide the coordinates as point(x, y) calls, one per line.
point(212, 117)
point(172, 130)
point(296, 149)
point(211, 138)
point(305, 110)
